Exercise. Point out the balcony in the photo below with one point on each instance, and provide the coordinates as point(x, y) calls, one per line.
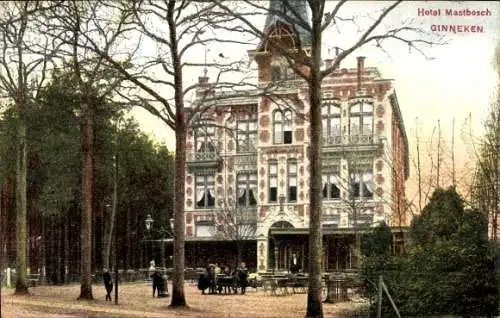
point(208, 160)
point(332, 140)
point(360, 139)
point(363, 142)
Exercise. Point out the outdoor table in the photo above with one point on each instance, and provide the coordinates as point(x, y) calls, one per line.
point(228, 281)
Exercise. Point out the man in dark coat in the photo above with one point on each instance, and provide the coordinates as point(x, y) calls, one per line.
point(242, 273)
point(108, 284)
point(158, 284)
point(211, 278)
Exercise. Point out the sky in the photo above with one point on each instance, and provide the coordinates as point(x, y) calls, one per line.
point(456, 80)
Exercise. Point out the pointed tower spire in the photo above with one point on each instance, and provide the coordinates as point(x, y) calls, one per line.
point(292, 13)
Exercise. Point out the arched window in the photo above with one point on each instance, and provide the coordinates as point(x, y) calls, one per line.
point(281, 70)
point(330, 114)
point(275, 73)
point(361, 120)
point(282, 127)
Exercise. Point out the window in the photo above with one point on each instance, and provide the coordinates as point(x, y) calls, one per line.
point(292, 181)
point(205, 195)
point(273, 181)
point(330, 114)
point(246, 134)
point(281, 70)
point(287, 127)
point(275, 73)
point(331, 186)
point(205, 228)
point(361, 184)
point(282, 127)
point(205, 139)
point(246, 184)
point(361, 120)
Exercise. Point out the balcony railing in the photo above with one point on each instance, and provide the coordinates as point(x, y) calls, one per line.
point(196, 160)
point(202, 156)
point(361, 139)
point(348, 140)
point(332, 140)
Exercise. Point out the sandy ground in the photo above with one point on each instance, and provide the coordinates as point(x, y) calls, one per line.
point(135, 300)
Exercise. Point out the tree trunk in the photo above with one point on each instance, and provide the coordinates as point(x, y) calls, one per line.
point(86, 230)
point(21, 206)
point(314, 305)
point(178, 296)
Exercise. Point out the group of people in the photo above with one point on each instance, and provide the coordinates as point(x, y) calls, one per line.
point(216, 280)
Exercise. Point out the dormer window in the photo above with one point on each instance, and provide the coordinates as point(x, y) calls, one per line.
point(281, 70)
point(277, 69)
point(275, 73)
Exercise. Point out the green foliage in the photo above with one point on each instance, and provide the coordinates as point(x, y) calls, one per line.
point(7, 145)
point(449, 266)
point(378, 242)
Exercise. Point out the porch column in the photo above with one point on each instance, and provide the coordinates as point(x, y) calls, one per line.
point(262, 247)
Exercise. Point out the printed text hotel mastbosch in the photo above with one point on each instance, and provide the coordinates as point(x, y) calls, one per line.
point(455, 27)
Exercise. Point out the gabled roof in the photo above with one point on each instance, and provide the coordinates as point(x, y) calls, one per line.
point(291, 13)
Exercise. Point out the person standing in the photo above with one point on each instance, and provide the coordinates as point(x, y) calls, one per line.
point(108, 284)
point(242, 273)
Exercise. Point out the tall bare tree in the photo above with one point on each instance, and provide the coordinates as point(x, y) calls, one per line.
point(486, 189)
point(235, 223)
point(308, 65)
point(170, 30)
point(25, 56)
point(95, 84)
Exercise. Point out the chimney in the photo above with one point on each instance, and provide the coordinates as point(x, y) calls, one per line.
point(328, 63)
point(361, 70)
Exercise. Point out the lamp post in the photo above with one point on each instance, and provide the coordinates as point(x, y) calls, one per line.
point(149, 224)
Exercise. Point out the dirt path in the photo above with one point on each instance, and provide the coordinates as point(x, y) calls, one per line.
point(135, 300)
